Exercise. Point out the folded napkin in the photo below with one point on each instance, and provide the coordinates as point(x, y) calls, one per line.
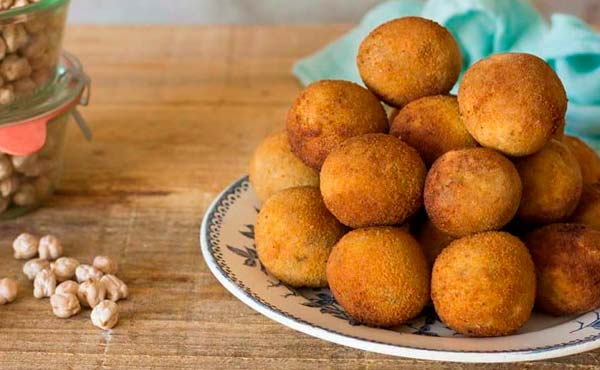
point(484, 27)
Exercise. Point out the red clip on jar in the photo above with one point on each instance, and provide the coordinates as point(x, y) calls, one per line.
point(32, 135)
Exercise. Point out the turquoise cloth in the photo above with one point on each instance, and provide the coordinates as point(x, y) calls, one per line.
point(484, 27)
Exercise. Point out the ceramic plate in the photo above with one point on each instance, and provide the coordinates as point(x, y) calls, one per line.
point(227, 240)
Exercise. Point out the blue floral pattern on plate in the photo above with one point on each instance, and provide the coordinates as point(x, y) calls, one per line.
point(227, 240)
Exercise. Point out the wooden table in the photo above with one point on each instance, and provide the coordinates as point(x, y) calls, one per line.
point(176, 113)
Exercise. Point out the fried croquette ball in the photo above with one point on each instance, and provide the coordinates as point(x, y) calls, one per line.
point(559, 133)
point(483, 285)
point(472, 190)
point(432, 240)
point(588, 210)
point(328, 112)
point(294, 234)
point(432, 125)
point(512, 102)
point(373, 180)
point(551, 184)
point(588, 159)
point(567, 262)
point(379, 275)
point(273, 167)
point(408, 58)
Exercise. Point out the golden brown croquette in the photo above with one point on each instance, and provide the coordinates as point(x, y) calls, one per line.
point(567, 262)
point(273, 167)
point(379, 275)
point(559, 133)
point(408, 58)
point(551, 184)
point(432, 240)
point(484, 284)
point(328, 112)
point(432, 125)
point(588, 209)
point(588, 159)
point(373, 180)
point(512, 102)
point(472, 190)
point(294, 234)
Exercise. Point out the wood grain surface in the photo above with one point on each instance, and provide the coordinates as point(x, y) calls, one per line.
point(176, 113)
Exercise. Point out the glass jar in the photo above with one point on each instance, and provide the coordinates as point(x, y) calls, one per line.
point(32, 140)
point(30, 47)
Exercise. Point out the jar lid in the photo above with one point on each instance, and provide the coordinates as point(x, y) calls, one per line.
point(23, 124)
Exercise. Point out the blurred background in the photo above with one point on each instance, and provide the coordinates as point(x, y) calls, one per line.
point(263, 11)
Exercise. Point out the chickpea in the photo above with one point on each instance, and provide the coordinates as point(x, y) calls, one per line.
point(7, 95)
point(6, 4)
point(50, 247)
point(86, 272)
point(65, 305)
point(15, 37)
point(9, 186)
point(105, 315)
point(14, 67)
point(106, 264)
point(25, 246)
point(24, 86)
point(20, 3)
point(21, 162)
point(6, 168)
point(64, 268)
point(91, 293)
point(32, 267)
point(68, 286)
point(37, 46)
point(8, 290)
point(115, 287)
point(44, 284)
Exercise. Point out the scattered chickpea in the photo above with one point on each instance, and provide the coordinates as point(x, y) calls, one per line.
point(115, 287)
point(8, 290)
point(105, 315)
point(50, 247)
point(68, 286)
point(85, 272)
point(106, 264)
point(64, 268)
point(32, 267)
point(44, 284)
point(64, 305)
point(91, 293)
point(25, 246)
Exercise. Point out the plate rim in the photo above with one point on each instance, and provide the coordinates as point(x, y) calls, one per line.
point(559, 350)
